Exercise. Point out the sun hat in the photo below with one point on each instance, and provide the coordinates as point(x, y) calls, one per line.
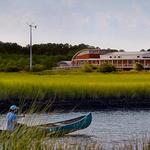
point(13, 107)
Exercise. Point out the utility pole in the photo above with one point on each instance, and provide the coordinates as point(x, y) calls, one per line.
point(31, 27)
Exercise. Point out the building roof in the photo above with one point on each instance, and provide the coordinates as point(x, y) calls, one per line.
point(125, 55)
point(97, 51)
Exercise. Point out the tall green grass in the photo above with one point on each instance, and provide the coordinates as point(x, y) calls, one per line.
point(33, 139)
point(72, 86)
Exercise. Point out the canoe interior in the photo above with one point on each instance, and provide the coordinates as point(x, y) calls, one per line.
point(61, 123)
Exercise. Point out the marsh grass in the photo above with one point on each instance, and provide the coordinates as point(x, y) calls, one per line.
point(33, 139)
point(134, 144)
point(84, 86)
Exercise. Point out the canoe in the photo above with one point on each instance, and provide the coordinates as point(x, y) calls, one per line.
point(67, 126)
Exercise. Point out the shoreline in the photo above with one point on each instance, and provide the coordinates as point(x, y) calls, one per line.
point(76, 105)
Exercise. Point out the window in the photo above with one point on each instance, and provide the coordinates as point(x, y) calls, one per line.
point(138, 56)
point(118, 56)
point(110, 56)
point(130, 62)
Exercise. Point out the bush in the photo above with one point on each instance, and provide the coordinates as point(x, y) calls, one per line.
point(15, 62)
point(12, 68)
point(2, 67)
point(94, 67)
point(106, 68)
point(138, 67)
point(87, 68)
point(38, 67)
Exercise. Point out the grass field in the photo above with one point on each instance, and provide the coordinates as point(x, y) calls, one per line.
point(74, 86)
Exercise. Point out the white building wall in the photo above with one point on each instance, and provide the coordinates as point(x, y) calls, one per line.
point(125, 55)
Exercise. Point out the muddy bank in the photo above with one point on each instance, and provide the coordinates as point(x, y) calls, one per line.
point(76, 104)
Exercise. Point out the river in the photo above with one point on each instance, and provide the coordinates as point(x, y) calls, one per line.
point(108, 127)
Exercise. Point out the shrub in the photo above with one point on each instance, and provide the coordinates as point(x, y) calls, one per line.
point(94, 67)
point(106, 68)
point(2, 67)
point(138, 67)
point(11, 67)
point(38, 67)
point(87, 68)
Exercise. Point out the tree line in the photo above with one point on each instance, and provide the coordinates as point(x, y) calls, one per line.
point(44, 49)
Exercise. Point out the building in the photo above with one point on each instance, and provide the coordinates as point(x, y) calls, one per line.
point(121, 60)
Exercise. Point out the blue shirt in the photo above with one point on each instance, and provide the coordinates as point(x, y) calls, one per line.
point(11, 118)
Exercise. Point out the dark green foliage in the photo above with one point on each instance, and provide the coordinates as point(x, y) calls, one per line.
point(106, 68)
point(15, 62)
point(138, 67)
point(38, 67)
point(87, 68)
point(42, 49)
point(94, 67)
point(12, 68)
point(10, 48)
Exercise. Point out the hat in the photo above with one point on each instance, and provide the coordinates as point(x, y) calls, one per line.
point(13, 107)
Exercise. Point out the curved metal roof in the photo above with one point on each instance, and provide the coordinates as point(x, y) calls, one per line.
point(84, 50)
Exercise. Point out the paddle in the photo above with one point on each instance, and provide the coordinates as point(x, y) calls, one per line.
point(18, 116)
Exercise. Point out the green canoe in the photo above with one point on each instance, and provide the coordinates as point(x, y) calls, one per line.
point(67, 126)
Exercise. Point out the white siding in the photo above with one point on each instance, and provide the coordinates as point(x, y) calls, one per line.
point(124, 55)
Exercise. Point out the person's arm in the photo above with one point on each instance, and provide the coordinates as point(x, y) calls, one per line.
point(17, 124)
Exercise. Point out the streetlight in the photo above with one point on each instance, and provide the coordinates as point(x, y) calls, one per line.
point(31, 26)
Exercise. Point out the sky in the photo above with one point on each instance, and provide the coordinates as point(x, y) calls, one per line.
point(120, 24)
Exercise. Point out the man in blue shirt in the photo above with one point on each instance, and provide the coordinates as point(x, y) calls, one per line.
point(11, 118)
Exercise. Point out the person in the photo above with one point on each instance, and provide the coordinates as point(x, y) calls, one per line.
point(12, 118)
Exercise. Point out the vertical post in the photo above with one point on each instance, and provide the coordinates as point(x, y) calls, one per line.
point(122, 64)
point(31, 26)
point(144, 64)
point(30, 47)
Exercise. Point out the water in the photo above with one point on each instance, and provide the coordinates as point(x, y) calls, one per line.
point(107, 126)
